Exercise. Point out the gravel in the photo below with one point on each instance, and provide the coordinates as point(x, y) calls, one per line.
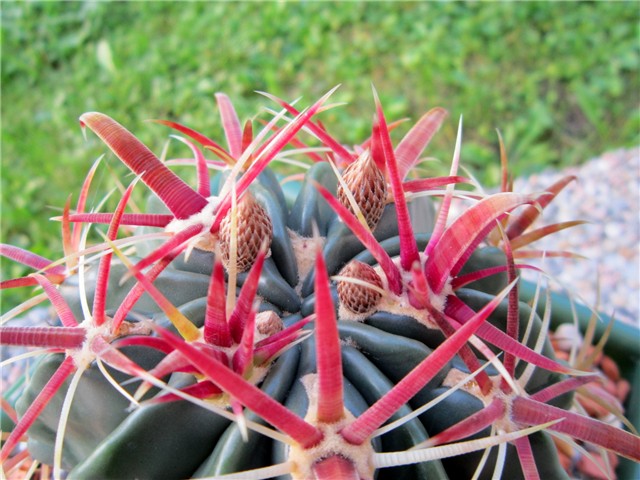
point(607, 195)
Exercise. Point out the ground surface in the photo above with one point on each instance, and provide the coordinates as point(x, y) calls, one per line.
point(607, 195)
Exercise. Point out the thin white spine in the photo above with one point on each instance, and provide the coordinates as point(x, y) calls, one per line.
point(62, 422)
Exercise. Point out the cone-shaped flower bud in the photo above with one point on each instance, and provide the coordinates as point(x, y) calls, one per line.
point(253, 226)
point(357, 298)
point(368, 187)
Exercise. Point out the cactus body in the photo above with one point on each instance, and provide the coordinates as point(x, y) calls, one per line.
point(237, 311)
point(386, 346)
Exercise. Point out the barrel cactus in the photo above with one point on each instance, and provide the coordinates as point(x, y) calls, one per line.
point(342, 328)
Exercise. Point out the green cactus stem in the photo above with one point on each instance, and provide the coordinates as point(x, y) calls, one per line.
point(348, 332)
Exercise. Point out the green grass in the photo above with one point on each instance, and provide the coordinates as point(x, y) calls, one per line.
point(560, 81)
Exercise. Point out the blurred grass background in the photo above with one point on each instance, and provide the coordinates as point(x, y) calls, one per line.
point(560, 81)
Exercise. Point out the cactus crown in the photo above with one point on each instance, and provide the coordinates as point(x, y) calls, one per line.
point(238, 349)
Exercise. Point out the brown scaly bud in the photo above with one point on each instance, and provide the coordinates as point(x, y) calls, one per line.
point(268, 323)
point(253, 227)
point(356, 298)
point(368, 187)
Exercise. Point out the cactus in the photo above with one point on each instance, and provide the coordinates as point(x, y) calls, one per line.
point(349, 332)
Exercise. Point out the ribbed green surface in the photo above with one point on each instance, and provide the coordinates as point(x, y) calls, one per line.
point(179, 440)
